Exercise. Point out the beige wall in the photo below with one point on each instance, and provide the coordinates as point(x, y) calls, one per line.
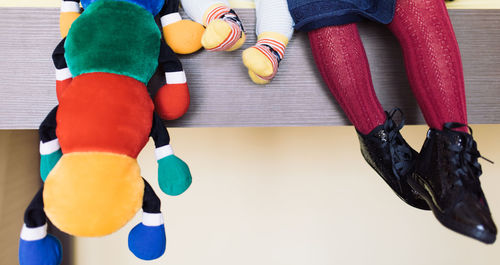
point(295, 196)
point(268, 196)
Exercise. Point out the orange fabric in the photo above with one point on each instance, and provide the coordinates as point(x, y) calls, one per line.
point(172, 101)
point(61, 87)
point(104, 112)
point(184, 37)
point(93, 194)
point(65, 21)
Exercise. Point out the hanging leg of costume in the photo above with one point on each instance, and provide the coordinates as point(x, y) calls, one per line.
point(147, 240)
point(432, 60)
point(341, 59)
point(50, 151)
point(35, 246)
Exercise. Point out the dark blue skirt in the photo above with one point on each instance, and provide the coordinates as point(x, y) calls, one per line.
point(313, 14)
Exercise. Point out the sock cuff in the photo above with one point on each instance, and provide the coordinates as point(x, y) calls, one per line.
point(216, 13)
point(33, 233)
point(276, 45)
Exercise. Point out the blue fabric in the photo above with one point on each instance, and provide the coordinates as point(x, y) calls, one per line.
point(147, 242)
point(313, 14)
point(46, 251)
point(153, 6)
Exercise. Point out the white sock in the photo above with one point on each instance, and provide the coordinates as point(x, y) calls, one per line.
point(273, 16)
point(195, 9)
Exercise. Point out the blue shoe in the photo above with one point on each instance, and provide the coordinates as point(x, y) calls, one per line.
point(45, 251)
point(147, 242)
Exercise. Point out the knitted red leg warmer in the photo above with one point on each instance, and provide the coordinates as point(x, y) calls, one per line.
point(341, 59)
point(432, 60)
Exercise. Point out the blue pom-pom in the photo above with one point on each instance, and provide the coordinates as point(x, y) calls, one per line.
point(46, 251)
point(147, 242)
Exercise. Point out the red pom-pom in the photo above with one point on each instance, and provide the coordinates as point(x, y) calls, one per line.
point(172, 101)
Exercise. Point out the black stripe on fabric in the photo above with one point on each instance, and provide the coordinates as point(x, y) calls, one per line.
point(34, 216)
point(159, 132)
point(47, 130)
point(150, 202)
point(58, 56)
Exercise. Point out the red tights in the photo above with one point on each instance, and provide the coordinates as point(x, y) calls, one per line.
point(432, 60)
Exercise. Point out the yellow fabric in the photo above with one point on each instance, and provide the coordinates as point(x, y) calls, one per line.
point(94, 193)
point(257, 80)
point(184, 37)
point(257, 63)
point(65, 21)
point(216, 32)
point(208, 11)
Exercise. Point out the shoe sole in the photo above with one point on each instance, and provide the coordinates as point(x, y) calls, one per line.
point(413, 203)
point(480, 235)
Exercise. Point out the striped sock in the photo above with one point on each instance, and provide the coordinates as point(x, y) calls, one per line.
point(224, 30)
point(263, 59)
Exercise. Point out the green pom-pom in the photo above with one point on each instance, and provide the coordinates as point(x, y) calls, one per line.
point(173, 175)
point(47, 163)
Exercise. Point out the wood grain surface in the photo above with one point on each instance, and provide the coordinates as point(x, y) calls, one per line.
point(223, 95)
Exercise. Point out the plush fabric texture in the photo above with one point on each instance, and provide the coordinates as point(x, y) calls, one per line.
point(313, 14)
point(114, 37)
point(184, 37)
point(65, 21)
point(152, 6)
point(341, 59)
point(172, 101)
point(433, 61)
point(104, 112)
point(92, 193)
point(47, 163)
point(174, 176)
point(46, 251)
point(147, 242)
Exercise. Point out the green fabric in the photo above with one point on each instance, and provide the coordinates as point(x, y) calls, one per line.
point(114, 37)
point(173, 175)
point(47, 163)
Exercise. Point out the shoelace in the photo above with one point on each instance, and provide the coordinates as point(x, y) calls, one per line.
point(466, 156)
point(400, 153)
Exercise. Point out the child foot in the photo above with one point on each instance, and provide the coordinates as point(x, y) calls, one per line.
point(262, 59)
point(224, 31)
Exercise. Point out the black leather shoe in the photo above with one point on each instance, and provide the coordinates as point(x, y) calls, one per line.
point(447, 177)
point(387, 152)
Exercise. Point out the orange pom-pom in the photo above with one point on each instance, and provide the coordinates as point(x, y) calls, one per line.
point(172, 101)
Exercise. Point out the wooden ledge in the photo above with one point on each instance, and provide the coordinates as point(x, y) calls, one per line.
point(223, 95)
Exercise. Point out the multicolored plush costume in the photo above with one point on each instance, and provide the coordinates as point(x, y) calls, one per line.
point(444, 177)
point(90, 142)
point(225, 32)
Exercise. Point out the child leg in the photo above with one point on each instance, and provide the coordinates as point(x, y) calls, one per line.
point(341, 60)
point(432, 60)
point(274, 30)
point(224, 31)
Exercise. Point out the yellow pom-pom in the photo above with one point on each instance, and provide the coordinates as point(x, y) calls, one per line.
point(184, 37)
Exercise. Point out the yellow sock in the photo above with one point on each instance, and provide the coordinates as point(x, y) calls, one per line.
point(262, 59)
point(223, 29)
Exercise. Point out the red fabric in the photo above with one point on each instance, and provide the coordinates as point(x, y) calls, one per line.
point(103, 112)
point(341, 60)
point(172, 101)
point(61, 87)
point(432, 59)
